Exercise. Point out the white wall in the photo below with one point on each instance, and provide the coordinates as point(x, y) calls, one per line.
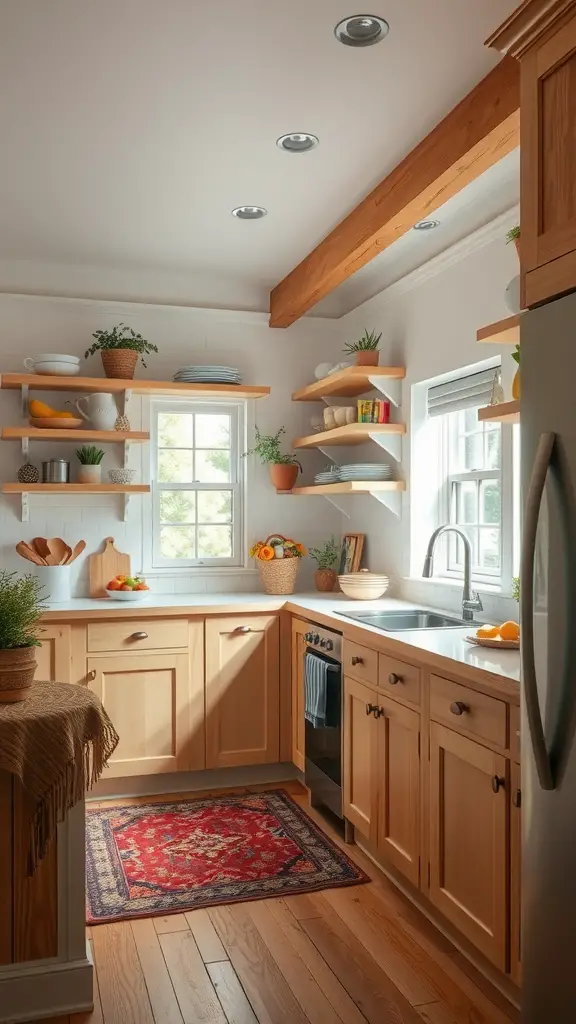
point(284, 360)
point(429, 322)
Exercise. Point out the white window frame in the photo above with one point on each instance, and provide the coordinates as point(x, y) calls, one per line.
point(238, 415)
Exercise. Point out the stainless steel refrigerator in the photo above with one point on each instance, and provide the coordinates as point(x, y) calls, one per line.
point(548, 620)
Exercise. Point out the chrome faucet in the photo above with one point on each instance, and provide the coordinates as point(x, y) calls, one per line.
point(470, 600)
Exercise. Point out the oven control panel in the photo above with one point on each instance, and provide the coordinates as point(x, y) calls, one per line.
point(324, 641)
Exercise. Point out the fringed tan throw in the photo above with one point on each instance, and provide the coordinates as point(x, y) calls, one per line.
point(56, 742)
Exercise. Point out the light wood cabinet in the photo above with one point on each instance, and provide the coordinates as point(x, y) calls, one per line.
point(398, 798)
point(53, 657)
point(299, 629)
point(242, 690)
point(469, 839)
point(543, 36)
point(515, 872)
point(360, 757)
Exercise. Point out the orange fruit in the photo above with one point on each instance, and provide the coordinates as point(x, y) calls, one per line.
point(487, 632)
point(141, 586)
point(509, 631)
point(113, 585)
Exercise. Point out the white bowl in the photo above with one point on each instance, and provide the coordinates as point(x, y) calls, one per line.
point(57, 368)
point(364, 585)
point(128, 595)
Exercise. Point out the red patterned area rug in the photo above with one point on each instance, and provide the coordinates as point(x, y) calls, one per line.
point(151, 859)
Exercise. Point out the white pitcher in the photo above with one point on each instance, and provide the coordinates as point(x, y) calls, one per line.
point(101, 410)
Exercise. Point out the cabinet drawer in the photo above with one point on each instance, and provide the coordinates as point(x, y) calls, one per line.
point(399, 679)
point(467, 711)
point(515, 733)
point(360, 663)
point(133, 635)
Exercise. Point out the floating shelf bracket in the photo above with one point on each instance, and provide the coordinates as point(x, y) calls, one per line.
point(24, 508)
point(126, 446)
point(390, 387)
point(338, 506)
point(126, 396)
point(392, 500)
point(25, 444)
point(391, 443)
point(25, 400)
point(126, 506)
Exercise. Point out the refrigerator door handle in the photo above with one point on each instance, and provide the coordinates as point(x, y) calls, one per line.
point(533, 503)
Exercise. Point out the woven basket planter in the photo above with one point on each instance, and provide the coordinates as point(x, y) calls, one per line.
point(279, 575)
point(119, 362)
point(17, 668)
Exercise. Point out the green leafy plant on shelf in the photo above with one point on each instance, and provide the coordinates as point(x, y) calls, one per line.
point(516, 588)
point(327, 556)
point(513, 235)
point(89, 455)
point(122, 337)
point(283, 467)
point(20, 610)
point(367, 343)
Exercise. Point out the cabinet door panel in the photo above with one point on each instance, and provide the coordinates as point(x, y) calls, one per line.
point(515, 874)
point(360, 757)
point(150, 702)
point(399, 787)
point(53, 657)
point(242, 691)
point(468, 839)
point(298, 730)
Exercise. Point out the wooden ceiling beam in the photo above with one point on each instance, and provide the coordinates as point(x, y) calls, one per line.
point(480, 131)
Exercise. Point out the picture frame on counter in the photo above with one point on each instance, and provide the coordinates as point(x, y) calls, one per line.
point(351, 554)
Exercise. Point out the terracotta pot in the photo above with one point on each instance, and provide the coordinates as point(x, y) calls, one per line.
point(516, 385)
point(17, 668)
point(283, 475)
point(517, 244)
point(119, 363)
point(368, 358)
point(325, 580)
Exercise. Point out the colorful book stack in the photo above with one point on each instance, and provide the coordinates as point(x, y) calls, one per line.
point(373, 411)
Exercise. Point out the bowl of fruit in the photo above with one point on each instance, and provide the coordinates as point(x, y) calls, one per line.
point(128, 588)
point(506, 636)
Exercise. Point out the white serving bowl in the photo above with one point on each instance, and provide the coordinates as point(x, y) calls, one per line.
point(57, 368)
point(128, 595)
point(364, 585)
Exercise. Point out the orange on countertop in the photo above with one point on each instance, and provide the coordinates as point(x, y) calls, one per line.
point(509, 630)
point(487, 632)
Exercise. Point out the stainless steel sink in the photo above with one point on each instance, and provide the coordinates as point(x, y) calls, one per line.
point(411, 618)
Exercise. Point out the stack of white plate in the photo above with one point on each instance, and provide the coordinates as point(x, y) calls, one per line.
point(365, 471)
point(327, 476)
point(208, 375)
point(364, 585)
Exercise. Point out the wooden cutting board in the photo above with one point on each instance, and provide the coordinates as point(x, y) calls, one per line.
point(105, 566)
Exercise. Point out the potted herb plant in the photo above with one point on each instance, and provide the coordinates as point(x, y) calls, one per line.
point(326, 558)
point(20, 612)
point(90, 469)
point(365, 349)
point(120, 349)
point(514, 236)
point(283, 468)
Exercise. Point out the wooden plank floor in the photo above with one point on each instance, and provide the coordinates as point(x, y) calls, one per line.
point(344, 956)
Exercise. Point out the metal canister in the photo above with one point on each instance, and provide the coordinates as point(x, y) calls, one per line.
point(56, 471)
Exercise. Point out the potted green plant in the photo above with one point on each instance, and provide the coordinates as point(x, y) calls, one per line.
point(514, 236)
point(90, 469)
point(326, 558)
point(283, 468)
point(20, 612)
point(119, 350)
point(365, 349)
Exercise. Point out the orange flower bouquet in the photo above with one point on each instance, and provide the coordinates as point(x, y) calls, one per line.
point(278, 561)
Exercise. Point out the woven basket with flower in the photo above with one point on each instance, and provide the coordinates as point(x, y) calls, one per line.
point(278, 561)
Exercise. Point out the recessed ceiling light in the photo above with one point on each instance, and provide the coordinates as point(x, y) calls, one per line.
point(361, 30)
point(249, 212)
point(298, 142)
point(426, 225)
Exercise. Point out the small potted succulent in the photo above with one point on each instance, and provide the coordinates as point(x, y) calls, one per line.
point(20, 612)
point(365, 349)
point(326, 558)
point(120, 349)
point(283, 468)
point(514, 236)
point(90, 469)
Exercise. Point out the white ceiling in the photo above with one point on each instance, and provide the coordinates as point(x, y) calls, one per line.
point(130, 128)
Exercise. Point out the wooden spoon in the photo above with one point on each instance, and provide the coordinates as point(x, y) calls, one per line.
point(29, 553)
point(67, 554)
point(41, 546)
point(57, 549)
point(77, 551)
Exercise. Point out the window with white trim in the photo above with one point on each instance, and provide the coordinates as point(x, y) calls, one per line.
point(197, 483)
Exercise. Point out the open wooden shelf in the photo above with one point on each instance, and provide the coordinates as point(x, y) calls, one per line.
point(352, 487)
point(349, 383)
point(506, 412)
point(113, 386)
point(504, 332)
point(11, 488)
point(38, 434)
point(350, 434)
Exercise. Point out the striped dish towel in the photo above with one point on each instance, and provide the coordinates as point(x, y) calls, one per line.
point(315, 686)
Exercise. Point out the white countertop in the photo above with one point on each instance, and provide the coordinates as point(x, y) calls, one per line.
point(445, 643)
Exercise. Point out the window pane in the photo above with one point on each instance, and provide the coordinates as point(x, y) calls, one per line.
point(474, 451)
point(175, 466)
point(456, 548)
point(470, 420)
point(213, 467)
point(212, 431)
point(175, 430)
point(177, 542)
point(493, 448)
point(490, 501)
point(489, 555)
point(214, 542)
point(468, 502)
point(177, 507)
point(214, 506)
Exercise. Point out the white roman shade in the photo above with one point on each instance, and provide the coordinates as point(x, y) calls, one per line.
point(468, 392)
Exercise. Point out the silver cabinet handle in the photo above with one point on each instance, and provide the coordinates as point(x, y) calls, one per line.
point(242, 629)
point(533, 503)
point(140, 635)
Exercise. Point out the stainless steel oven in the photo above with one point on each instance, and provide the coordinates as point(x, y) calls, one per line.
point(323, 742)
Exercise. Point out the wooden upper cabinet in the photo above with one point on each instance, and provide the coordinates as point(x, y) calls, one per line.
point(299, 629)
point(469, 839)
point(53, 657)
point(542, 35)
point(242, 690)
point(399, 787)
